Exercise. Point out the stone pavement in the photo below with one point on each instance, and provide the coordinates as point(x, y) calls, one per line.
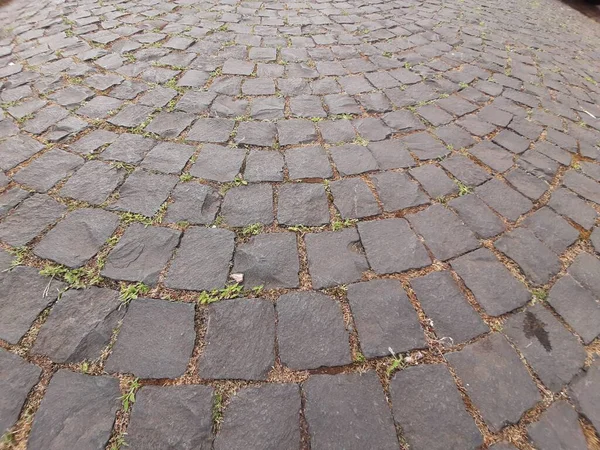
point(356, 224)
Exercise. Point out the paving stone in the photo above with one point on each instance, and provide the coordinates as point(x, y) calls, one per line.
point(558, 428)
point(247, 205)
point(6, 260)
point(527, 184)
point(131, 116)
point(80, 325)
point(93, 182)
point(335, 258)
point(218, 163)
point(236, 67)
point(30, 219)
point(465, 170)
point(348, 411)
point(585, 269)
point(18, 377)
point(434, 180)
point(264, 417)
point(477, 216)
point(93, 141)
point(582, 185)
point(496, 380)
point(170, 124)
point(511, 141)
point(391, 246)
point(539, 164)
point(568, 204)
point(584, 392)
point(493, 286)
point(44, 119)
point(307, 162)
point(78, 411)
point(71, 96)
point(202, 261)
point(262, 165)
point(430, 410)
point(553, 353)
point(353, 198)
point(128, 148)
point(141, 254)
point(75, 240)
point(551, 229)
point(444, 233)
point(267, 108)
point(240, 340)
point(536, 260)
point(11, 198)
point(260, 134)
point(144, 192)
point(268, 260)
point(310, 331)
point(402, 121)
point(424, 146)
point(391, 154)
point(444, 303)
point(43, 173)
point(194, 102)
point(397, 191)
point(302, 204)
point(189, 413)
point(211, 130)
point(155, 341)
point(194, 203)
point(296, 131)
point(502, 446)
point(353, 159)
point(492, 155)
point(504, 200)
point(344, 104)
point(100, 107)
point(168, 157)
point(384, 317)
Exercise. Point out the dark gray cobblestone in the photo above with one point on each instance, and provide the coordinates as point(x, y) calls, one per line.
point(307, 191)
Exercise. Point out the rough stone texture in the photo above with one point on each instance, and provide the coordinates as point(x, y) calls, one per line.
point(586, 270)
point(43, 173)
point(566, 203)
point(307, 162)
point(384, 318)
point(477, 216)
point(76, 239)
point(268, 260)
point(30, 219)
point(93, 182)
point(265, 417)
point(171, 417)
point(558, 429)
point(80, 325)
point(578, 306)
point(310, 331)
point(218, 163)
point(551, 229)
point(444, 233)
point(493, 286)
point(144, 192)
point(444, 303)
point(16, 380)
point(141, 254)
point(391, 246)
point(429, 409)
point(553, 353)
point(397, 191)
point(240, 340)
point(155, 341)
point(23, 295)
point(128, 148)
point(194, 203)
point(335, 258)
point(264, 166)
point(17, 149)
point(434, 180)
point(168, 158)
point(504, 200)
point(302, 204)
point(584, 392)
point(496, 380)
point(247, 205)
point(535, 259)
point(77, 411)
point(348, 411)
point(202, 261)
point(353, 198)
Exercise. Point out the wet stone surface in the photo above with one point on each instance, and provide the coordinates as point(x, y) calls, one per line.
point(306, 224)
